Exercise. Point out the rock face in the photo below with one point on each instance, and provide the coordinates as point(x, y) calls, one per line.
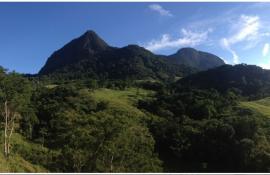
point(197, 59)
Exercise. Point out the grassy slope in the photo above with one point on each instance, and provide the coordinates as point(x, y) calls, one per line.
point(16, 162)
point(262, 106)
point(124, 99)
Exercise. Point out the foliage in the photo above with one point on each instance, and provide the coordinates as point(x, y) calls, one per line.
point(15, 92)
point(203, 130)
point(19, 159)
point(96, 138)
point(126, 125)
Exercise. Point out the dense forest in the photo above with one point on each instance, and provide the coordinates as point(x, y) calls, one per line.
point(145, 115)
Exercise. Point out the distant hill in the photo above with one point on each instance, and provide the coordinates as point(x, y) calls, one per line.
point(197, 59)
point(249, 79)
point(90, 56)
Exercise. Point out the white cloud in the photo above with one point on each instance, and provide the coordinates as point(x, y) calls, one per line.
point(245, 30)
point(226, 45)
point(265, 50)
point(158, 8)
point(187, 38)
point(225, 60)
point(265, 34)
point(265, 65)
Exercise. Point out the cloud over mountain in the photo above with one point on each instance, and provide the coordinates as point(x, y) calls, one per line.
point(187, 38)
point(246, 29)
point(265, 50)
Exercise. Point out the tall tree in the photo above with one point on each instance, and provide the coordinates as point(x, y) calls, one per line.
point(14, 96)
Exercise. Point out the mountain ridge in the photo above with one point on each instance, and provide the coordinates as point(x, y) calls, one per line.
point(90, 55)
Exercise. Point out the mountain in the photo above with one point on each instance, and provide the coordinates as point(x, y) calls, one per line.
point(197, 59)
point(251, 80)
point(86, 46)
point(91, 57)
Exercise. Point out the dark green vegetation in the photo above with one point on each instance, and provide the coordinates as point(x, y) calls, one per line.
point(133, 115)
point(250, 81)
point(208, 131)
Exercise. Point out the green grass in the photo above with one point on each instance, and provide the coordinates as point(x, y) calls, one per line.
point(51, 86)
point(124, 99)
point(262, 106)
point(128, 96)
point(16, 162)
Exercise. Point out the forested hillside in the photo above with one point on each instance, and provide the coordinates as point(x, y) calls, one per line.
point(96, 108)
point(119, 126)
point(249, 80)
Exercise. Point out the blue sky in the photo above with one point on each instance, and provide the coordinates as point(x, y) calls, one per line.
point(236, 32)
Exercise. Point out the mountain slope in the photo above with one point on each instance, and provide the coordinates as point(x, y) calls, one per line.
point(90, 57)
point(249, 79)
point(197, 59)
point(86, 46)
